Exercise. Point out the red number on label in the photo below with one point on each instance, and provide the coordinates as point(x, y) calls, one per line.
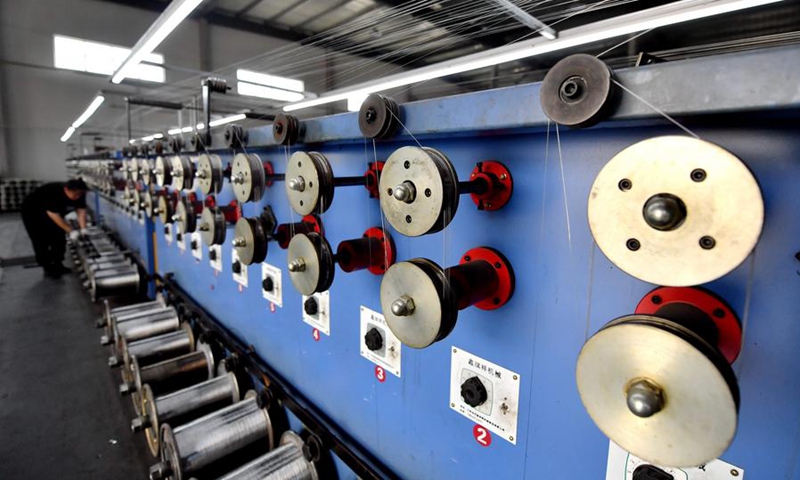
point(482, 436)
point(380, 374)
point(316, 335)
point(241, 288)
point(272, 307)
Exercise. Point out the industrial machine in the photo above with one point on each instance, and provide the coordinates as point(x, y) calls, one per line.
point(616, 299)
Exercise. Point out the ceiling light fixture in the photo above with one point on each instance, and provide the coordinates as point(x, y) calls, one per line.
point(669, 14)
point(98, 100)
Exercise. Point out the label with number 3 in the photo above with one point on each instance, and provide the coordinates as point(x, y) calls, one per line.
point(380, 374)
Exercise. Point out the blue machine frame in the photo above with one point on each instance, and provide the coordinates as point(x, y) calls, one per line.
point(566, 289)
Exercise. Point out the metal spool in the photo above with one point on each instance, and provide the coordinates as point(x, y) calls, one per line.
point(134, 169)
point(374, 251)
point(183, 405)
point(164, 209)
point(676, 211)
point(152, 308)
point(176, 144)
point(182, 172)
point(248, 177)
point(212, 226)
point(157, 323)
point(155, 349)
point(418, 191)
point(578, 91)
point(250, 240)
point(109, 312)
point(311, 263)
point(309, 183)
point(162, 171)
point(378, 116)
point(135, 200)
point(286, 462)
point(168, 375)
point(190, 447)
point(209, 174)
point(146, 171)
point(116, 281)
point(421, 301)
point(285, 129)
point(235, 136)
point(147, 203)
point(659, 390)
point(186, 216)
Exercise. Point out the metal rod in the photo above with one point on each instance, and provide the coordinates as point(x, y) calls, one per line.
point(528, 20)
point(349, 181)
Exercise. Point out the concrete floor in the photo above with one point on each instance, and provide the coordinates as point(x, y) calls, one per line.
point(60, 414)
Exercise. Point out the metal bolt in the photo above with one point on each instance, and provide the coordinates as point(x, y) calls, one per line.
point(204, 227)
point(504, 408)
point(707, 243)
point(734, 472)
point(405, 192)
point(297, 265)
point(126, 388)
point(237, 179)
point(160, 471)
point(113, 362)
point(698, 174)
point(201, 174)
point(239, 242)
point(664, 212)
point(633, 244)
point(297, 184)
point(177, 218)
point(140, 423)
point(403, 306)
point(644, 398)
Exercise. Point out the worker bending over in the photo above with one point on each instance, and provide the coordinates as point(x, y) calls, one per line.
point(43, 212)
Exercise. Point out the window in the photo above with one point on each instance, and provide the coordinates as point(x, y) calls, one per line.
point(255, 84)
point(93, 57)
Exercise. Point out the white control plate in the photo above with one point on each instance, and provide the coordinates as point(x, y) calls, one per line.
point(276, 295)
point(622, 464)
point(500, 411)
point(168, 234)
point(196, 243)
point(322, 320)
point(216, 262)
point(388, 356)
point(181, 241)
point(241, 277)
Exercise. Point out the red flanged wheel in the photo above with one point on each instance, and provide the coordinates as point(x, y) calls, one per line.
point(505, 276)
point(730, 330)
point(373, 178)
point(389, 255)
point(268, 172)
point(315, 223)
point(210, 201)
point(500, 185)
point(232, 212)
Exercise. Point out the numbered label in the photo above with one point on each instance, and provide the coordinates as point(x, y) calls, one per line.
point(315, 334)
point(482, 436)
point(380, 373)
point(181, 242)
point(622, 465)
point(271, 285)
point(196, 245)
point(378, 343)
point(215, 258)
point(168, 234)
point(316, 311)
point(239, 270)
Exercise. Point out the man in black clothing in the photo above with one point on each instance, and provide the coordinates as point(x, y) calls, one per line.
point(43, 214)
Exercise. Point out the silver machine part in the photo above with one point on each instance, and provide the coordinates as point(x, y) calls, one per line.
point(286, 462)
point(116, 281)
point(197, 444)
point(162, 322)
point(152, 349)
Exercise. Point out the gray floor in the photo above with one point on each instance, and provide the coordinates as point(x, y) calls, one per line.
point(60, 414)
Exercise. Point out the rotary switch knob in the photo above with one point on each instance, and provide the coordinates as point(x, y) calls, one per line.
point(650, 472)
point(236, 267)
point(310, 306)
point(268, 284)
point(212, 254)
point(474, 392)
point(373, 339)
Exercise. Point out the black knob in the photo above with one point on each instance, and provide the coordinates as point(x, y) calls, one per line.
point(237, 267)
point(212, 254)
point(268, 284)
point(649, 472)
point(473, 392)
point(194, 244)
point(179, 237)
point(166, 230)
point(310, 306)
point(373, 339)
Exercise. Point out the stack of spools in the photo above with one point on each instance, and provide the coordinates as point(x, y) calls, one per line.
point(13, 191)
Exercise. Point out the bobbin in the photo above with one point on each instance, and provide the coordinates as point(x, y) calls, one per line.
point(192, 446)
point(109, 313)
point(675, 211)
point(659, 382)
point(162, 171)
point(235, 136)
point(146, 171)
point(165, 207)
point(286, 461)
point(579, 91)
point(378, 117)
point(286, 129)
point(250, 175)
point(147, 324)
point(421, 301)
point(186, 213)
point(182, 406)
point(209, 173)
point(215, 219)
point(312, 264)
point(154, 349)
point(310, 182)
point(175, 143)
point(419, 189)
point(181, 172)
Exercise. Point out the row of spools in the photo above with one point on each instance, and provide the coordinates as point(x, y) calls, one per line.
point(105, 268)
point(190, 402)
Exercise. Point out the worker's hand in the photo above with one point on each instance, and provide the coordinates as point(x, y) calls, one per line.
point(83, 232)
point(74, 235)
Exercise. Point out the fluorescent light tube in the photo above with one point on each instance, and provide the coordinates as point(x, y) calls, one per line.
point(67, 134)
point(174, 131)
point(158, 135)
point(664, 15)
point(270, 80)
point(174, 14)
point(223, 121)
point(186, 129)
point(98, 100)
point(148, 138)
point(261, 91)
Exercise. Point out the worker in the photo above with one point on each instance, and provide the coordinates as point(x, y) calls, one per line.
point(43, 212)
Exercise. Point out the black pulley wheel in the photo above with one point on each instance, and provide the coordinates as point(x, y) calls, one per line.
point(578, 91)
point(378, 117)
point(285, 129)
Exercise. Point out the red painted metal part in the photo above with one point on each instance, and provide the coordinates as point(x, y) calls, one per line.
point(505, 274)
point(390, 253)
point(315, 223)
point(310, 223)
point(268, 171)
point(728, 326)
point(501, 185)
point(210, 201)
point(373, 177)
point(232, 212)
